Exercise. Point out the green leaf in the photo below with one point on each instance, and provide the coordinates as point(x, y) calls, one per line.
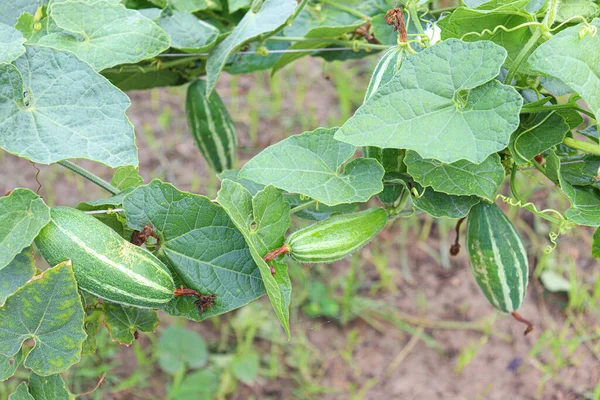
point(10, 10)
point(573, 8)
point(188, 33)
point(179, 349)
point(17, 273)
point(317, 211)
point(21, 393)
point(447, 94)
point(11, 44)
point(123, 323)
point(583, 173)
point(23, 214)
point(113, 219)
point(269, 18)
point(596, 244)
point(249, 61)
point(48, 388)
point(245, 366)
point(585, 203)
point(571, 57)
point(311, 164)
point(92, 323)
point(233, 175)
point(49, 311)
point(62, 117)
point(444, 205)
point(505, 6)
point(460, 178)
point(9, 365)
point(139, 80)
point(554, 282)
point(465, 20)
point(200, 385)
point(201, 246)
point(263, 220)
point(192, 6)
point(114, 35)
point(542, 133)
point(235, 5)
point(127, 177)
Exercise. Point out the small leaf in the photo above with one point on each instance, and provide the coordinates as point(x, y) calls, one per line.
point(555, 282)
point(311, 164)
point(21, 393)
point(460, 178)
point(113, 219)
point(48, 388)
point(264, 210)
point(127, 177)
point(11, 44)
point(23, 214)
point(123, 322)
point(200, 244)
point(17, 273)
point(48, 310)
point(115, 35)
point(188, 33)
point(585, 203)
point(444, 205)
point(200, 385)
point(448, 95)
point(272, 14)
point(570, 56)
point(48, 111)
point(245, 366)
point(9, 365)
point(180, 348)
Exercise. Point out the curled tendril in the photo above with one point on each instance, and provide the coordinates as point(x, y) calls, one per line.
point(500, 27)
point(529, 130)
point(564, 225)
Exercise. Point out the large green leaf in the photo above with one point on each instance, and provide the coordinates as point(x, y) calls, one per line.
point(179, 349)
point(444, 205)
point(48, 388)
point(201, 246)
point(585, 203)
point(9, 365)
point(311, 164)
point(572, 8)
point(234, 5)
point(23, 214)
point(543, 132)
point(572, 56)
point(465, 20)
point(187, 32)
point(17, 273)
point(582, 173)
point(443, 103)
point(48, 310)
point(460, 178)
point(141, 80)
point(123, 323)
point(10, 10)
point(21, 393)
point(104, 33)
point(271, 15)
point(11, 44)
point(263, 220)
point(53, 106)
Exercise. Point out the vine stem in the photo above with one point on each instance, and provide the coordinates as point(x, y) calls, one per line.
point(522, 56)
point(349, 10)
point(90, 176)
point(586, 147)
point(348, 43)
point(412, 11)
point(539, 109)
point(303, 206)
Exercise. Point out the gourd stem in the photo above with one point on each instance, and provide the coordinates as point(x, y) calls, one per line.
point(346, 9)
point(90, 176)
point(586, 147)
point(524, 321)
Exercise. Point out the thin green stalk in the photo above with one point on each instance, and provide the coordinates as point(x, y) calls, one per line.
point(157, 66)
point(586, 147)
point(540, 109)
point(90, 176)
point(303, 206)
point(522, 56)
point(346, 9)
point(414, 16)
point(347, 43)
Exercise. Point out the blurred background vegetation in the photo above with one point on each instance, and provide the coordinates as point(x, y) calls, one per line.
point(399, 319)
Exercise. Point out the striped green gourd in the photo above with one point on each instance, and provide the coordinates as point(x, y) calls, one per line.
point(335, 237)
point(390, 159)
point(497, 257)
point(211, 126)
point(105, 264)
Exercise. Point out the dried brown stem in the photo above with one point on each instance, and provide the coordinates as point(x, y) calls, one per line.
point(524, 321)
point(455, 248)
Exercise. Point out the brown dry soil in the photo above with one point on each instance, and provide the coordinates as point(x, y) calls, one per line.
point(383, 362)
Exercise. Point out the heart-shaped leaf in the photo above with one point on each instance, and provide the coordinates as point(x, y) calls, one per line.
point(443, 103)
point(48, 388)
point(187, 32)
point(124, 322)
point(17, 273)
point(23, 214)
point(179, 349)
point(53, 106)
point(21, 393)
point(48, 310)
point(311, 164)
